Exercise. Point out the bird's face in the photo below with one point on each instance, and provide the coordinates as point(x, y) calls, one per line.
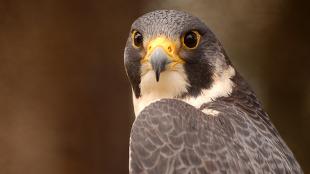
point(171, 54)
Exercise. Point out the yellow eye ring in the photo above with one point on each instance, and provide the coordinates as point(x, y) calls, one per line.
point(137, 39)
point(191, 39)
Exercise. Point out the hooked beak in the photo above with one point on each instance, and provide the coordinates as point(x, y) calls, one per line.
point(159, 60)
point(162, 52)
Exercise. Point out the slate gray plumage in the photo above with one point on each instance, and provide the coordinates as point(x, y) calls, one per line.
point(170, 136)
point(173, 137)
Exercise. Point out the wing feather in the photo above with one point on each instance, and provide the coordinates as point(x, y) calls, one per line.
point(170, 136)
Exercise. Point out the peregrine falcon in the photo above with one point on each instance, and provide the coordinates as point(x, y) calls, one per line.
point(194, 112)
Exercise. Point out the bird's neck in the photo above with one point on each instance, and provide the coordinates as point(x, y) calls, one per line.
point(171, 85)
point(222, 86)
point(243, 93)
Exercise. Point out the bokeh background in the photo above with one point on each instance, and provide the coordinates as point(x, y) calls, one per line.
point(65, 102)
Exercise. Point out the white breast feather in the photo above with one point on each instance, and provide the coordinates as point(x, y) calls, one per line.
point(174, 83)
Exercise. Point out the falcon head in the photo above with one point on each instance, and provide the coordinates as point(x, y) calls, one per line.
point(172, 54)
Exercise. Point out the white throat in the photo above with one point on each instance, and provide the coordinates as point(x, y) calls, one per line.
point(170, 85)
point(174, 83)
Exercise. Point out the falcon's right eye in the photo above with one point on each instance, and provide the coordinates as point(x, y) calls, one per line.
point(137, 38)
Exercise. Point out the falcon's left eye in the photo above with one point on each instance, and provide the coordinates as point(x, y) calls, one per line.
point(191, 39)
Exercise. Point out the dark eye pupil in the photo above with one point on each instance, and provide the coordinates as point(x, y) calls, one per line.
point(190, 39)
point(138, 39)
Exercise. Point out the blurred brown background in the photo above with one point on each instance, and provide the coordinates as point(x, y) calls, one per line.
point(65, 102)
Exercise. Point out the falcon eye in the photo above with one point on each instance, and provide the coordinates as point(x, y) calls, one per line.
point(137, 39)
point(191, 39)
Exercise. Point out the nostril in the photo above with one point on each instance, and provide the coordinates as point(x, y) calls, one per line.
point(169, 48)
point(150, 47)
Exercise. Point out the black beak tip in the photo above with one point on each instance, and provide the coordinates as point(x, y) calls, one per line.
point(159, 60)
point(157, 73)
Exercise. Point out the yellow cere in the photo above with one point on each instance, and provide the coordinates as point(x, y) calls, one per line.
point(168, 45)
